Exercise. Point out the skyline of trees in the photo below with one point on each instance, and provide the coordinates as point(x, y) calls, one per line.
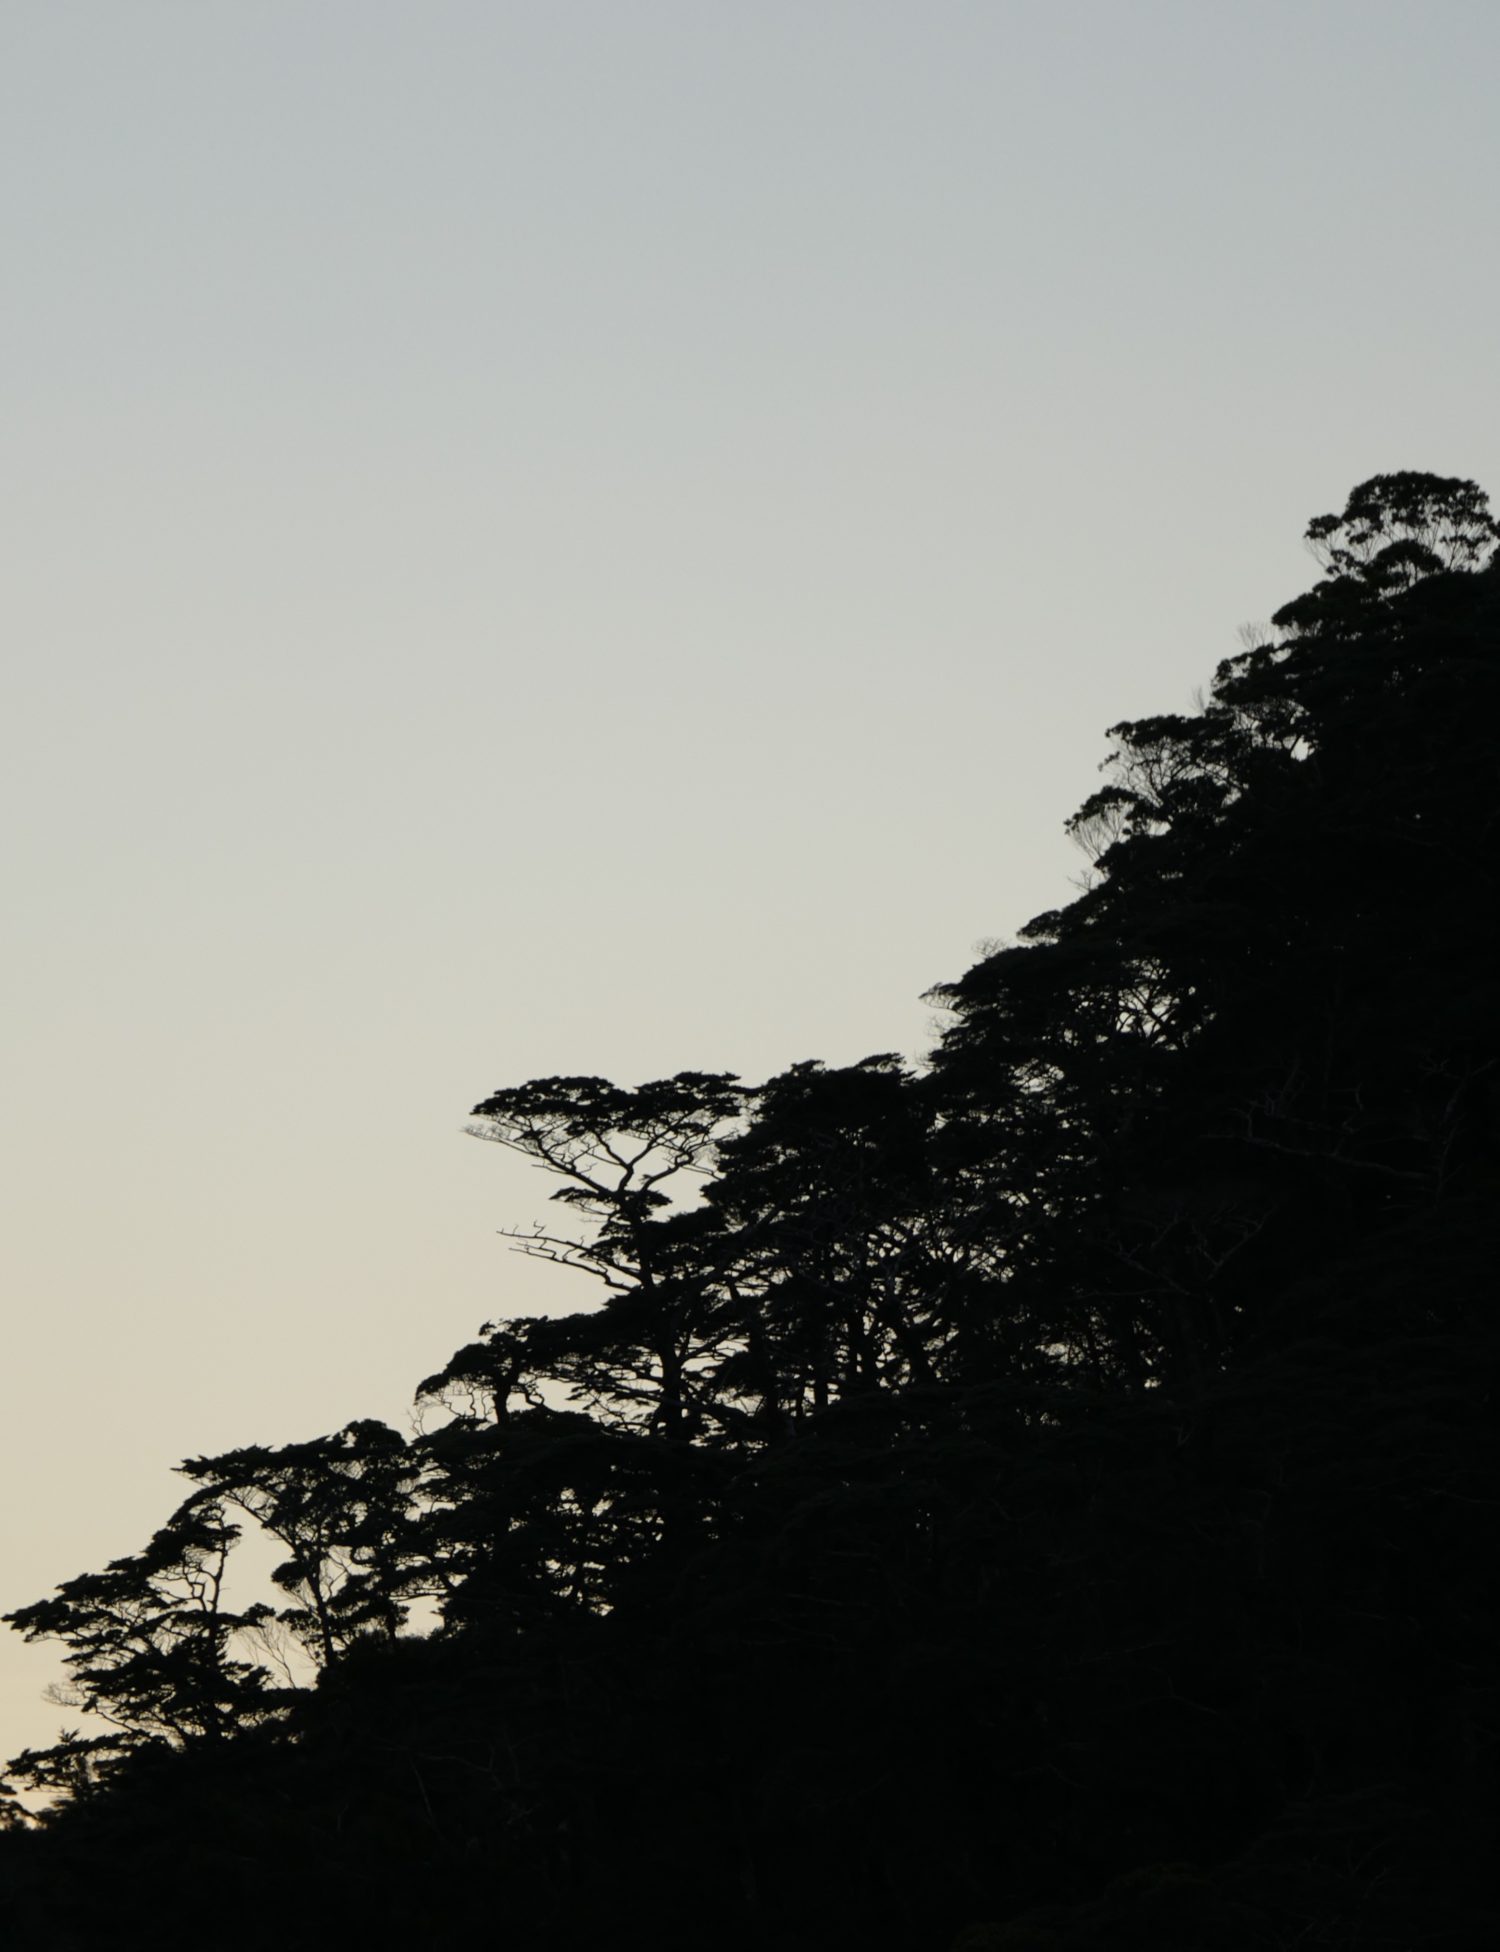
point(1030, 1486)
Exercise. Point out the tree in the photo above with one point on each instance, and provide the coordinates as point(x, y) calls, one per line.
point(1396, 528)
point(838, 1278)
point(622, 1155)
point(1395, 531)
point(152, 1651)
point(342, 1507)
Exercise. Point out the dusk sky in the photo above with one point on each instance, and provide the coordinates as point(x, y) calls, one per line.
point(604, 536)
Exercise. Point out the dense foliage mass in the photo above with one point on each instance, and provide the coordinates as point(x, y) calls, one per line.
point(1037, 1500)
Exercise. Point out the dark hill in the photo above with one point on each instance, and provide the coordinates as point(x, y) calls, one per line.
point(1040, 1501)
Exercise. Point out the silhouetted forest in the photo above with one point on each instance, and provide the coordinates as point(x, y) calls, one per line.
point(1043, 1498)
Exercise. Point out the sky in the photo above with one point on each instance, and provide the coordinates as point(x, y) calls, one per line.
point(604, 536)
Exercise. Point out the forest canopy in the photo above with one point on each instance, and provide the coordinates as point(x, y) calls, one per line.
point(1033, 1497)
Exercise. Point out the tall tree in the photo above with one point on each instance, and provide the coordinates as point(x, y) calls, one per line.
point(623, 1156)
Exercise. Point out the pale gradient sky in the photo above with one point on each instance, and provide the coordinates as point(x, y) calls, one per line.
point(604, 535)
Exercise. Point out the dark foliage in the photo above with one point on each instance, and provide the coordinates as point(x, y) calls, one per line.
point(1039, 1501)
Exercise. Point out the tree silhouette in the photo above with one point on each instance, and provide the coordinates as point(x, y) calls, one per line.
point(1037, 1498)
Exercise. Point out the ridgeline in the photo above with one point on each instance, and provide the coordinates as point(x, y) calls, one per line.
point(1038, 1500)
